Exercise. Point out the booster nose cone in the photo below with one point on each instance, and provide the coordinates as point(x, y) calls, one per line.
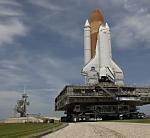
point(106, 25)
point(96, 21)
point(87, 24)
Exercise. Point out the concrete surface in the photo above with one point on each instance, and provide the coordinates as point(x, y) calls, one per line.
point(102, 130)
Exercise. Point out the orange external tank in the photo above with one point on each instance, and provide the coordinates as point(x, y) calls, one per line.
point(96, 20)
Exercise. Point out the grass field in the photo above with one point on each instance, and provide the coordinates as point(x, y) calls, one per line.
point(24, 130)
point(147, 121)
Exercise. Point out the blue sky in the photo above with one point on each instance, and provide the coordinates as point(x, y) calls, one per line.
point(41, 47)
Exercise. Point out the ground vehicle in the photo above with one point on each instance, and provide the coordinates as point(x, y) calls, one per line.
point(106, 101)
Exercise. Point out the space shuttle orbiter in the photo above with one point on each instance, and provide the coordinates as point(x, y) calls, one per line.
point(99, 65)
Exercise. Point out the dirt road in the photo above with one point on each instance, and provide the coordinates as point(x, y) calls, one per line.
point(102, 130)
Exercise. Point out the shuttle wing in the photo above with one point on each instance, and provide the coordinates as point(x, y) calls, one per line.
point(118, 73)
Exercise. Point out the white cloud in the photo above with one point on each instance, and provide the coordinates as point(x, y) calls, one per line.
point(9, 30)
point(130, 21)
point(46, 5)
point(132, 30)
point(10, 8)
point(132, 27)
point(9, 2)
point(137, 6)
point(11, 25)
point(5, 11)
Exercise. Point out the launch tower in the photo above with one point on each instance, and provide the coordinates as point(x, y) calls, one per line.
point(21, 106)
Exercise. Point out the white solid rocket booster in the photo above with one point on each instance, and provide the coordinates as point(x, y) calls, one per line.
point(87, 43)
point(106, 68)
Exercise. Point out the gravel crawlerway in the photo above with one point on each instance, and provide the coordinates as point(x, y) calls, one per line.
point(102, 130)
